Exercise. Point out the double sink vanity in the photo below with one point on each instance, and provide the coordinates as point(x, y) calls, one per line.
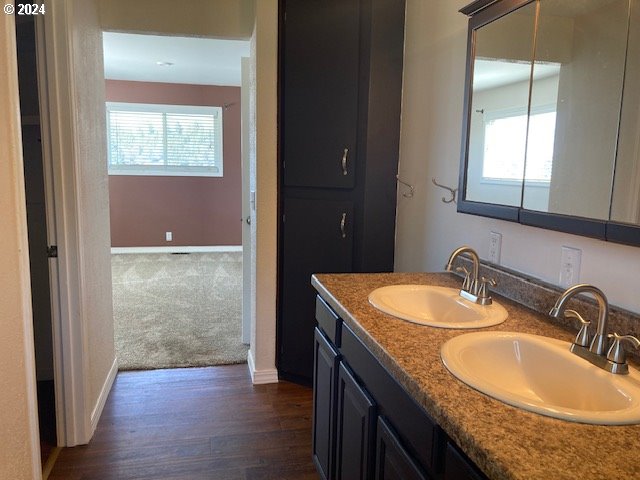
point(413, 380)
point(419, 377)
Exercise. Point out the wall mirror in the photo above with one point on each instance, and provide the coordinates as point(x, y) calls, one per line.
point(551, 133)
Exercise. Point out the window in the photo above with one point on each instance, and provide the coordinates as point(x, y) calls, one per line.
point(505, 140)
point(146, 139)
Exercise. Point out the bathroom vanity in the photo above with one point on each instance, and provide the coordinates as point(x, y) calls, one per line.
point(385, 406)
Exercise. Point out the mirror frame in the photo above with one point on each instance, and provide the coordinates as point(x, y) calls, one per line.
point(480, 13)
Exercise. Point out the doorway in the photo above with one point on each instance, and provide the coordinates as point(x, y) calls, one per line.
point(76, 123)
point(174, 133)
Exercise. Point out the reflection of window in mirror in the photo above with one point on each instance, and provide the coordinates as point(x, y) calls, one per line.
point(504, 147)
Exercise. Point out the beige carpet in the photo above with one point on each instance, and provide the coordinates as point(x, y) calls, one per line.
point(177, 310)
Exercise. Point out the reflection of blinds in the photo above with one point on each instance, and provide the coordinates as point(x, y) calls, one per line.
point(165, 142)
point(505, 138)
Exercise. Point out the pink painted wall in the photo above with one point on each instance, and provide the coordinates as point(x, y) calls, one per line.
point(198, 210)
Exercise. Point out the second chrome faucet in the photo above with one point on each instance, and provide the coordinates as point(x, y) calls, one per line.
point(597, 351)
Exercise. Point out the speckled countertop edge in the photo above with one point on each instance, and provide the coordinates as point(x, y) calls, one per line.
point(505, 442)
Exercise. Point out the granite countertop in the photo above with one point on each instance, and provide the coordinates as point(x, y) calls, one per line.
point(505, 442)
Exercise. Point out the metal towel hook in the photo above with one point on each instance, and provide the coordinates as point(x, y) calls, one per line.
point(411, 188)
point(452, 191)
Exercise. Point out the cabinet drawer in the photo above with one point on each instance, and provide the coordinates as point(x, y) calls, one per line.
point(328, 321)
point(416, 430)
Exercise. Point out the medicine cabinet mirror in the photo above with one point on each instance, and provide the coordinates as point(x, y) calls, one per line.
point(551, 133)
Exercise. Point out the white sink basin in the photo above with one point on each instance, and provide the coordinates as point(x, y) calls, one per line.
point(435, 306)
point(541, 375)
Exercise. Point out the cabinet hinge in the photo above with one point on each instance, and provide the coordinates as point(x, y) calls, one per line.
point(52, 251)
point(284, 218)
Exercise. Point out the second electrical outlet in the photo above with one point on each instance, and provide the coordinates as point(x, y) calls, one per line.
point(570, 260)
point(495, 245)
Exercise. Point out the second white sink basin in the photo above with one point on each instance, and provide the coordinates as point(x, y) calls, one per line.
point(541, 375)
point(435, 306)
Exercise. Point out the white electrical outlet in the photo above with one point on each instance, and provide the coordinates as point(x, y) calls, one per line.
point(168, 236)
point(570, 266)
point(495, 245)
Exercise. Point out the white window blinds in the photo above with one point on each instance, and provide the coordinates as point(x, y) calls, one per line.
point(147, 139)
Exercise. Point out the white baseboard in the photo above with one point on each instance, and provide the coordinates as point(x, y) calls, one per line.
point(102, 398)
point(260, 377)
point(170, 249)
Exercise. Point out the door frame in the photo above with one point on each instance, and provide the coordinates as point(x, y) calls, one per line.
point(75, 419)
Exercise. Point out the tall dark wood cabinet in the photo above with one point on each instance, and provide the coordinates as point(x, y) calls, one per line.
point(340, 100)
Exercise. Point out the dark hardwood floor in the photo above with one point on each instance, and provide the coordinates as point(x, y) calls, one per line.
point(196, 423)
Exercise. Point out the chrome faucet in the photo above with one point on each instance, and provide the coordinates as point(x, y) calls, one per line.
point(611, 359)
point(599, 342)
point(473, 288)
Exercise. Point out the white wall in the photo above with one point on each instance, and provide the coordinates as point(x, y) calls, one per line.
point(264, 47)
point(427, 229)
point(218, 18)
point(93, 193)
point(20, 450)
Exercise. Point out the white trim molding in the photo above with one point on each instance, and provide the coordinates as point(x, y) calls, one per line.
point(260, 377)
point(104, 393)
point(170, 249)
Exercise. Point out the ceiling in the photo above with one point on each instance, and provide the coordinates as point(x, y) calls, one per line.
point(496, 73)
point(198, 61)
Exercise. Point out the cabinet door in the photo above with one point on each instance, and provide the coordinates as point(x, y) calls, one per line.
point(324, 399)
point(320, 92)
point(317, 237)
point(355, 429)
point(458, 467)
point(393, 462)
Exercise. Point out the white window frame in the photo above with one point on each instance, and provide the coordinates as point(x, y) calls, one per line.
point(515, 112)
point(167, 171)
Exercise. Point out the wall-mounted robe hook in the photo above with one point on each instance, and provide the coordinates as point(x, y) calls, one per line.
point(452, 191)
point(411, 188)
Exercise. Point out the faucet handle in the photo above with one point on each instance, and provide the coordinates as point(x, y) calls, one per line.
point(466, 284)
point(582, 338)
point(616, 353)
point(482, 289)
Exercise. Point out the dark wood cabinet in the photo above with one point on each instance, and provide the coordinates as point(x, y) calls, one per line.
point(324, 401)
point(339, 128)
point(320, 79)
point(355, 430)
point(319, 238)
point(458, 467)
point(392, 460)
point(365, 425)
